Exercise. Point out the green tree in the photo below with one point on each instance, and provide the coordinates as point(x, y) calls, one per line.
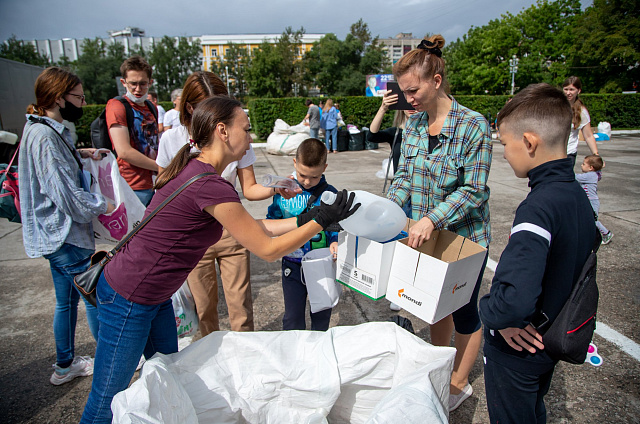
point(605, 52)
point(540, 36)
point(236, 62)
point(14, 49)
point(98, 67)
point(275, 68)
point(340, 67)
point(173, 60)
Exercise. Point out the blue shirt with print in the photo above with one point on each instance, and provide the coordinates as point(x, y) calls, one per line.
point(282, 208)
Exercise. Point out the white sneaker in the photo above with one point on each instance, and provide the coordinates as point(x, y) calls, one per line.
point(81, 366)
point(456, 400)
point(394, 307)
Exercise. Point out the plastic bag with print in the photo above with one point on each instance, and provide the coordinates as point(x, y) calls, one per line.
point(106, 180)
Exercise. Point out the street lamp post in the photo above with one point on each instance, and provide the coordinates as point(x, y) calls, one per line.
point(513, 70)
point(226, 69)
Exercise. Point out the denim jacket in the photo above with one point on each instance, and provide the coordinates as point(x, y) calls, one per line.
point(55, 209)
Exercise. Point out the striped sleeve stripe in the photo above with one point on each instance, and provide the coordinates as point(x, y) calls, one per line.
point(526, 226)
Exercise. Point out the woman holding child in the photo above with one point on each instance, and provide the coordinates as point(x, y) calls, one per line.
point(443, 171)
point(134, 291)
point(581, 121)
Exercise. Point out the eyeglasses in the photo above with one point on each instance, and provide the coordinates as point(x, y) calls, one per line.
point(79, 96)
point(141, 84)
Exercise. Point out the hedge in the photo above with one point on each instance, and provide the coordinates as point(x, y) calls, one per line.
point(620, 110)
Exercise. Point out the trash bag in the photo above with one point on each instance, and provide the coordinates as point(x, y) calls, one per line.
point(359, 374)
point(343, 140)
point(356, 141)
point(285, 139)
point(604, 128)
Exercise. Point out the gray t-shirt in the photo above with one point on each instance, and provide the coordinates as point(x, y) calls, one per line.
point(314, 117)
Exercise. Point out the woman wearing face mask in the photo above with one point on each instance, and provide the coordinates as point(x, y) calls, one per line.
point(57, 208)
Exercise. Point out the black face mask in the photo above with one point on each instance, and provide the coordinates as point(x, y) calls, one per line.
point(71, 112)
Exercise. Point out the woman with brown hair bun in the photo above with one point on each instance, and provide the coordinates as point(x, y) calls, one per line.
point(57, 208)
point(443, 171)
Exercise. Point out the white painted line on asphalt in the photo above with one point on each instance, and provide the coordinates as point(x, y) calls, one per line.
point(627, 345)
point(491, 264)
point(624, 343)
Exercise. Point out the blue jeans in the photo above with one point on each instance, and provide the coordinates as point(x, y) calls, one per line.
point(295, 301)
point(144, 196)
point(127, 330)
point(333, 134)
point(65, 264)
point(313, 132)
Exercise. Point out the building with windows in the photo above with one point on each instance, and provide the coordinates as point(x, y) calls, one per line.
point(215, 47)
point(399, 45)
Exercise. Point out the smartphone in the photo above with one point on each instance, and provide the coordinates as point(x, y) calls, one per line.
point(402, 101)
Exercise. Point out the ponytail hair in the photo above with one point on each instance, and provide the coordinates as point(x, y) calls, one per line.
point(577, 104)
point(206, 117)
point(426, 60)
point(199, 86)
point(51, 84)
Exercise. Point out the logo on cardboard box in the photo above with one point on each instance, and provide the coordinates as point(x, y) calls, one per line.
point(458, 287)
point(410, 299)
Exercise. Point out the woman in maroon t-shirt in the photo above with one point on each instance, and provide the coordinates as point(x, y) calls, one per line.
point(134, 291)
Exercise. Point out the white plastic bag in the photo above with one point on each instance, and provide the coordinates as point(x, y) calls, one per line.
point(319, 270)
point(184, 308)
point(285, 139)
point(604, 128)
point(129, 210)
point(385, 168)
point(348, 374)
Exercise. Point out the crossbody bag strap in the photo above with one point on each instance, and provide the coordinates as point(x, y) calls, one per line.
point(152, 214)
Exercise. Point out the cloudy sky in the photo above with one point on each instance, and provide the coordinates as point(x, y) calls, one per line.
point(42, 19)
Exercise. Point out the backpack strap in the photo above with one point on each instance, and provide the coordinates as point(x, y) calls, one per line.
point(152, 108)
point(128, 110)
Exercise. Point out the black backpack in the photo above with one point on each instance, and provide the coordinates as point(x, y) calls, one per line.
point(568, 337)
point(100, 132)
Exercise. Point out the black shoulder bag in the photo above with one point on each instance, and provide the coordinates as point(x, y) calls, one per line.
point(87, 281)
point(568, 337)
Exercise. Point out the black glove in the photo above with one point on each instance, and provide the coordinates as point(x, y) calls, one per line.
point(340, 209)
point(305, 217)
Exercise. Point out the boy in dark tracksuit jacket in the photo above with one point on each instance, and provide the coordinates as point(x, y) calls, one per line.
point(551, 237)
point(309, 164)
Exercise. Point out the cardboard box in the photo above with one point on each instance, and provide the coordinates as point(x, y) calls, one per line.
point(364, 265)
point(436, 279)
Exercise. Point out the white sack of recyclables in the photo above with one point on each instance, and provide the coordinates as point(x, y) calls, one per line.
point(371, 373)
point(285, 139)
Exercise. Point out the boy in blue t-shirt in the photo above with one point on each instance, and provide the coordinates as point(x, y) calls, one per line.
point(309, 164)
point(551, 237)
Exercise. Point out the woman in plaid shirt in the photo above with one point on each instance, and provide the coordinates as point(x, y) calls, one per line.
point(443, 171)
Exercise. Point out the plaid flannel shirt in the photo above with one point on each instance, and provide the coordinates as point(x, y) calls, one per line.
point(449, 185)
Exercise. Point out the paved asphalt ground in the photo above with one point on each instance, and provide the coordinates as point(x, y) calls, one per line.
point(579, 394)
